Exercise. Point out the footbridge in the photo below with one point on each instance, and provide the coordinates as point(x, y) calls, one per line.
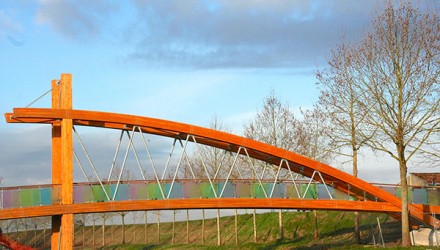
point(204, 168)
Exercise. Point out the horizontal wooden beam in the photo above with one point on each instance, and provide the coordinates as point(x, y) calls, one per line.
point(222, 203)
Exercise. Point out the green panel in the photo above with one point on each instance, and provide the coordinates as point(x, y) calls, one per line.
point(29, 197)
point(154, 192)
point(99, 194)
point(291, 191)
point(257, 190)
point(312, 192)
point(434, 197)
point(206, 190)
point(399, 193)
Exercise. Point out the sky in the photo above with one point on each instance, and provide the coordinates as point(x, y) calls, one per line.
point(185, 61)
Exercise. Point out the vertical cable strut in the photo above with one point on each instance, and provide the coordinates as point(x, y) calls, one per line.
point(91, 163)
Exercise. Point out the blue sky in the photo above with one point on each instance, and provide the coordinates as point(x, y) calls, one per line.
point(178, 60)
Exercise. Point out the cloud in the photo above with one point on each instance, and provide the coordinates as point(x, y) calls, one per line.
point(10, 26)
point(214, 34)
point(75, 19)
point(242, 34)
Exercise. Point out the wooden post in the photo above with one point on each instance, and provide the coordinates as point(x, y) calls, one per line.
point(158, 226)
point(62, 163)
point(280, 219)
point(203, 226)
point(174, 226)
point(255, 226)
point(315, 219)
point(145, 227)
point(219, 238)
point(236, 228)
point(187, 226)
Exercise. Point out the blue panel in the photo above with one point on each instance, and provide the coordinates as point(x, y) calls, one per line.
point(123, 192)
point(176, 192)
point(229, 191)
point(46, 196)
point(322, 192)
point(278, 190)
point(420, 196)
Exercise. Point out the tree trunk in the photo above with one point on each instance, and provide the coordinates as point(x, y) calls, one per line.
point(406, 240)
point(357, 232)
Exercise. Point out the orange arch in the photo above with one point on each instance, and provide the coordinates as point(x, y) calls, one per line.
point(273, 155)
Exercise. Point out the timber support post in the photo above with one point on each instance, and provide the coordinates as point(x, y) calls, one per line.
point(62, 163)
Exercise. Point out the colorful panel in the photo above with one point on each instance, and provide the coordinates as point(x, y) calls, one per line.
point(399, 193)
point(291, 190)
point(176, 192)
point(323, 193)
point(309, 191)
point(122, 192)
point(243, 190)
point(99, 194)
point(154, 191)
point(46, 196)
point(82, 194)
point(138, 191)
point(420, 196)
point(191, 190)
point(391, 190)
point(339, 195)
point(278, 190)
point(259, 190)
point(29, 197)
point(206, 190)
point(229, 190)
point(434, 197)
point(9, 200)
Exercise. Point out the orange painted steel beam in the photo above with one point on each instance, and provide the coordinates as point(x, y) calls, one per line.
point(140, 205)
point(210, 137)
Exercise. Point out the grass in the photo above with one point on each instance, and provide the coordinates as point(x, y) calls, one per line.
point(335, 232)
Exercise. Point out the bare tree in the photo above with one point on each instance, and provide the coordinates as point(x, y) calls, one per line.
point(395, 69)
point(339, 103)
point(276, 125)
